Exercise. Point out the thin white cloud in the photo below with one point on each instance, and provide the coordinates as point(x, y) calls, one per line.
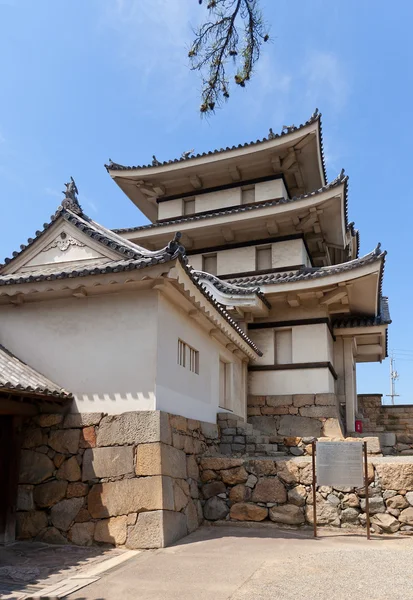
point(327, 82)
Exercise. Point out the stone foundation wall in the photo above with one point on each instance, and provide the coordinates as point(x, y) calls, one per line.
point(129, 479)
point(240, 489)
point(392, 424)
point(294, 421)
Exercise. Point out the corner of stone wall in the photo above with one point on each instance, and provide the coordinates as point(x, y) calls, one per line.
point(130, 479)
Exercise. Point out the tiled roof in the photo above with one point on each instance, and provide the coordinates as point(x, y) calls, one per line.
point(100, 234)
point(17, 376)
point(132, 257)
point(316, 116)
point(341, 178)
point(309, 273)
point(230, 288)
point(383, 318)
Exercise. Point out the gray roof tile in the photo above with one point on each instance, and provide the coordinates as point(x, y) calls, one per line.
point(17, 376)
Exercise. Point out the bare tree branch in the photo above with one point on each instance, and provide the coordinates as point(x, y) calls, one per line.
point(234, 31)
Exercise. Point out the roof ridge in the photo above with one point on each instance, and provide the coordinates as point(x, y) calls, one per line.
point(286, 130)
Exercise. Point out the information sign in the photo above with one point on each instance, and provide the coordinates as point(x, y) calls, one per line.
point(340, 464)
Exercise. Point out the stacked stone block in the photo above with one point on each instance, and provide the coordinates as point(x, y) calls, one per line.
point(392, 424)
point(239, 438)
point(279, 490)
point(129, 479)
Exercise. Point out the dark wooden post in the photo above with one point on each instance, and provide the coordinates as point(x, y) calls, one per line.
point(366, 485)
point(314, 489)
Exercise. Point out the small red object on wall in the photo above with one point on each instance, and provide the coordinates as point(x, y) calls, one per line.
point(359, 426)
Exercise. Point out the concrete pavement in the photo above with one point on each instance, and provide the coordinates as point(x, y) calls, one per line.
point(264, 563)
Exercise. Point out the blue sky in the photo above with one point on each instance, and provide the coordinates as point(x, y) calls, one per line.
point(85, 80)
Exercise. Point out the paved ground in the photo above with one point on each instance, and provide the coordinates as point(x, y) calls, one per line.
point(28, 567)
point(262, 563)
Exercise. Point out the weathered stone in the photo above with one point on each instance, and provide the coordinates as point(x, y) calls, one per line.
point(386, 522)
point(157, 529)
point(409, 498)
point(376, 505)
point(319, 412)
point(244, 511)
point(111, 531)
point(32, 438)
point(373, 443)
point(295, 451)
point(267, 425)
point(349, 515)
point(220, 462)
point(215, 509)
point(387, 438)
point(48, 494)
point(51, 535)
point(130, 495)
point(25, 497)
point(306, 474)
point(269, 490)
point(332, 428)
point(251, 481)
point(213, 489)
point(81, 534)
point(297, 495)
point(279, 400)
point(160, 459)
point(395, 476)
point(35, 467)
point(325, 399)
point(389, 494)
point(333, 499)
point(64, 512)
point(29, 524)
point(300, 400)
point(179, 423)
point(262, 467)
point(59, 459)
point(191, 515)
point(193, 424)
point(398, 502)
point(194, 491)
point(350, 501)
point(184, 485)
point(180, 498)
point(139, 427)
point(88, 437)
point(192, 467)
point(107, 462)
point(77, 490)
point(289, 514)
point(76, 420)
point(292, 425)
point(131, 518)
point(208, 475)
point(69, 470)
point(65, 441)
point(291, 441)
point(240, 493)
point(233, 476)
point(406, 516)
point(326, 512)
point(405, 438)
point(288, 471)
point(48, 420)
point(83, 516)
point(210, 431)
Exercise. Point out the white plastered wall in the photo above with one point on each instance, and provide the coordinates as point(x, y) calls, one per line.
point(102, 349)
point(310, 343)
point(171, 208)
point(270, 190)
point(180, 391)
point(289, 253)
point(219, 199)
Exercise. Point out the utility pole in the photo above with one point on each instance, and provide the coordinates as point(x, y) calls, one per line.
point(393, 378)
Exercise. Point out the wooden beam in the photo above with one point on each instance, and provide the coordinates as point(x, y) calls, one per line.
point(289, 160)
point(228, 234)
point(369, 349)
point(276, 163)
point(293, 300)
point(338, 309)
point(333, 296)
point(307, 221)
point(159, 189)
point(272, 227)
point(235, 173)
point(196, 182)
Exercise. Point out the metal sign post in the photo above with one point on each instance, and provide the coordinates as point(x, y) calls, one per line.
point(313, 444)
point(366, 487)
point(340, 464)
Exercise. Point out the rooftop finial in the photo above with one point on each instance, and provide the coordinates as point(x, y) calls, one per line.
point(70, 201)
point(155, 161)
point(288, 128)
point(271, 134)
point(187, 154)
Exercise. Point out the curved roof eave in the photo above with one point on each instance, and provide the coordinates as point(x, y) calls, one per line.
point(115, 168)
